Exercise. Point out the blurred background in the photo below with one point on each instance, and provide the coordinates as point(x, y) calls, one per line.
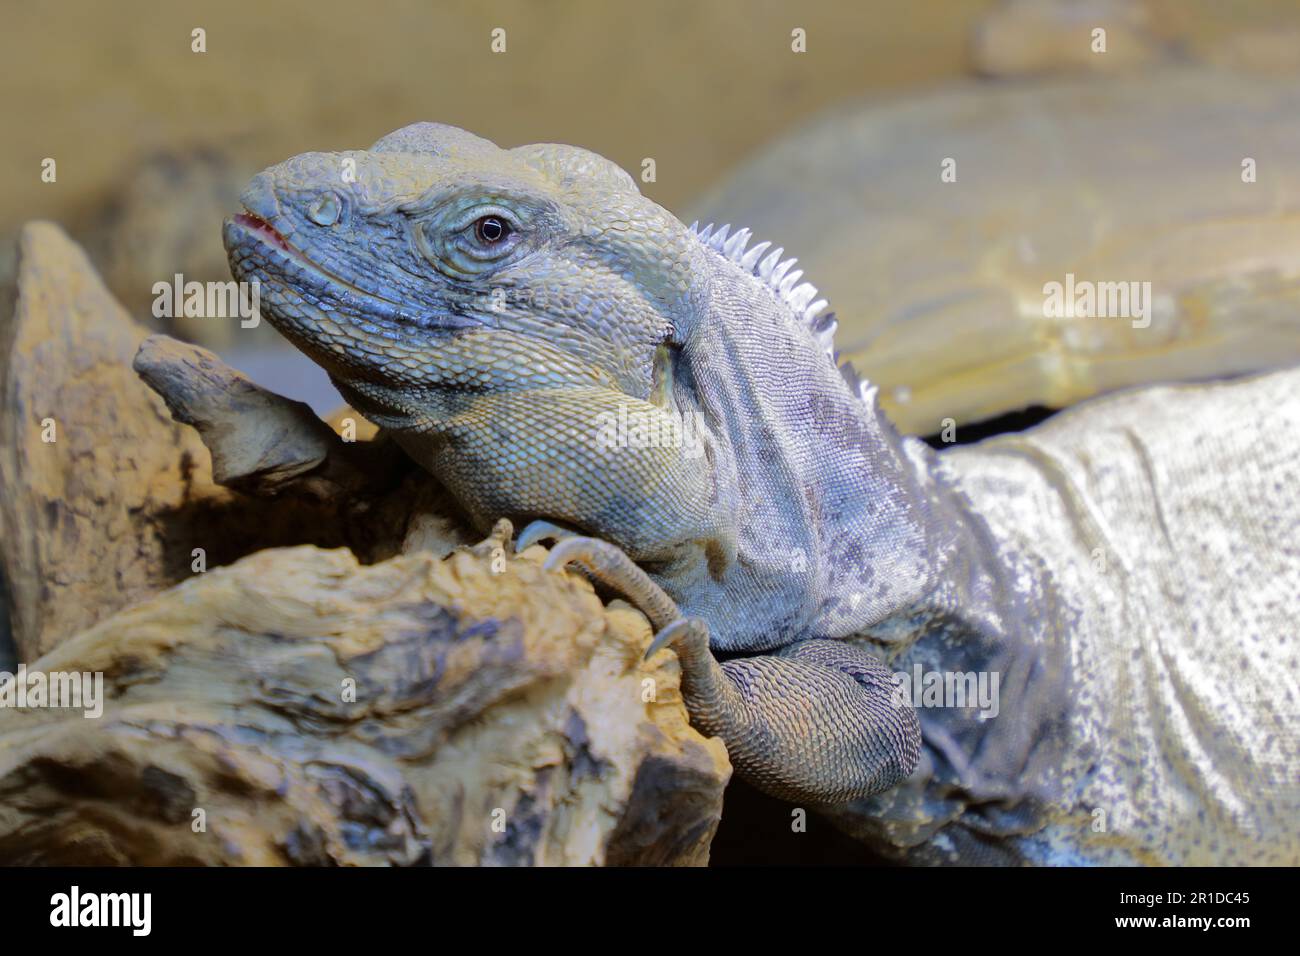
point(154, 141)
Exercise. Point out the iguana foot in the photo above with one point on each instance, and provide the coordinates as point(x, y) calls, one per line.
point(818, 721)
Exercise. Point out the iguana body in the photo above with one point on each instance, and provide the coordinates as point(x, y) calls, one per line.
point(1164, 528)
point(495, 308)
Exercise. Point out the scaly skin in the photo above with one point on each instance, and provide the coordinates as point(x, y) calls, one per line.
point(496, 309)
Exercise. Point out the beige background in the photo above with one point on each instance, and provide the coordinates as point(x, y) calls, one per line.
point(693, 84)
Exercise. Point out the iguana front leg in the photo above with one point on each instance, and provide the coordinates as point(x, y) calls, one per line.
point(818, 721)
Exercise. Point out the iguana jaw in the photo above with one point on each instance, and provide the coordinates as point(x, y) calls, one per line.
point(245, 231)
point(344, 327)
point(369, 343)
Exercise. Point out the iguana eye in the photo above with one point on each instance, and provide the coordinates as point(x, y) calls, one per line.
point(470, 241)
point(491, 230)
point(324, 211)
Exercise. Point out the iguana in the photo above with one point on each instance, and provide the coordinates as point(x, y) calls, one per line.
point(1128, 571)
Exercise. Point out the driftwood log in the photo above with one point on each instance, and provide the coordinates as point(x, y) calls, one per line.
point(305, 656)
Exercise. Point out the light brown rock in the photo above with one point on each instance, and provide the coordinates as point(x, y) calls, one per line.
point(1028, 37)
point(83, 518)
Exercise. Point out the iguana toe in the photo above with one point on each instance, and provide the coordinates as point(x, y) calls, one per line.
point(679, 631)
point(609, 565)
point(541, 530)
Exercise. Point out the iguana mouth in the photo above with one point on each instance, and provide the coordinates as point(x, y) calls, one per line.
point(265, 231)
point(267, 235)
point(286, 264)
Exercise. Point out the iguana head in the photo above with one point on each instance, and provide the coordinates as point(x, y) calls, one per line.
point(495, 308)
point(437, 260)
point(552, 344)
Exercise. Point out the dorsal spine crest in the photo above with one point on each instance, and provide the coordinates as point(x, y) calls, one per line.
point(800, 298)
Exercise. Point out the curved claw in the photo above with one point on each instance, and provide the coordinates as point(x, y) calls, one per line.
point(684, 628)
point(609, 565)
point(535, 532)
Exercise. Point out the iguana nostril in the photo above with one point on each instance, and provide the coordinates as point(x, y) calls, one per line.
point(324, 209)
point(259, 198)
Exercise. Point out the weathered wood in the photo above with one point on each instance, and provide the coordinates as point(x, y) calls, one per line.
point(500, 717)
point(260, 442)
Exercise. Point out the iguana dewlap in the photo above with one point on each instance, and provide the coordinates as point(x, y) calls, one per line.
point(1128, 571)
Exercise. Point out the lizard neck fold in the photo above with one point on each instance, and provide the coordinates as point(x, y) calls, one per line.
point(828, 523)
point(845, 529)
point(841, 525)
